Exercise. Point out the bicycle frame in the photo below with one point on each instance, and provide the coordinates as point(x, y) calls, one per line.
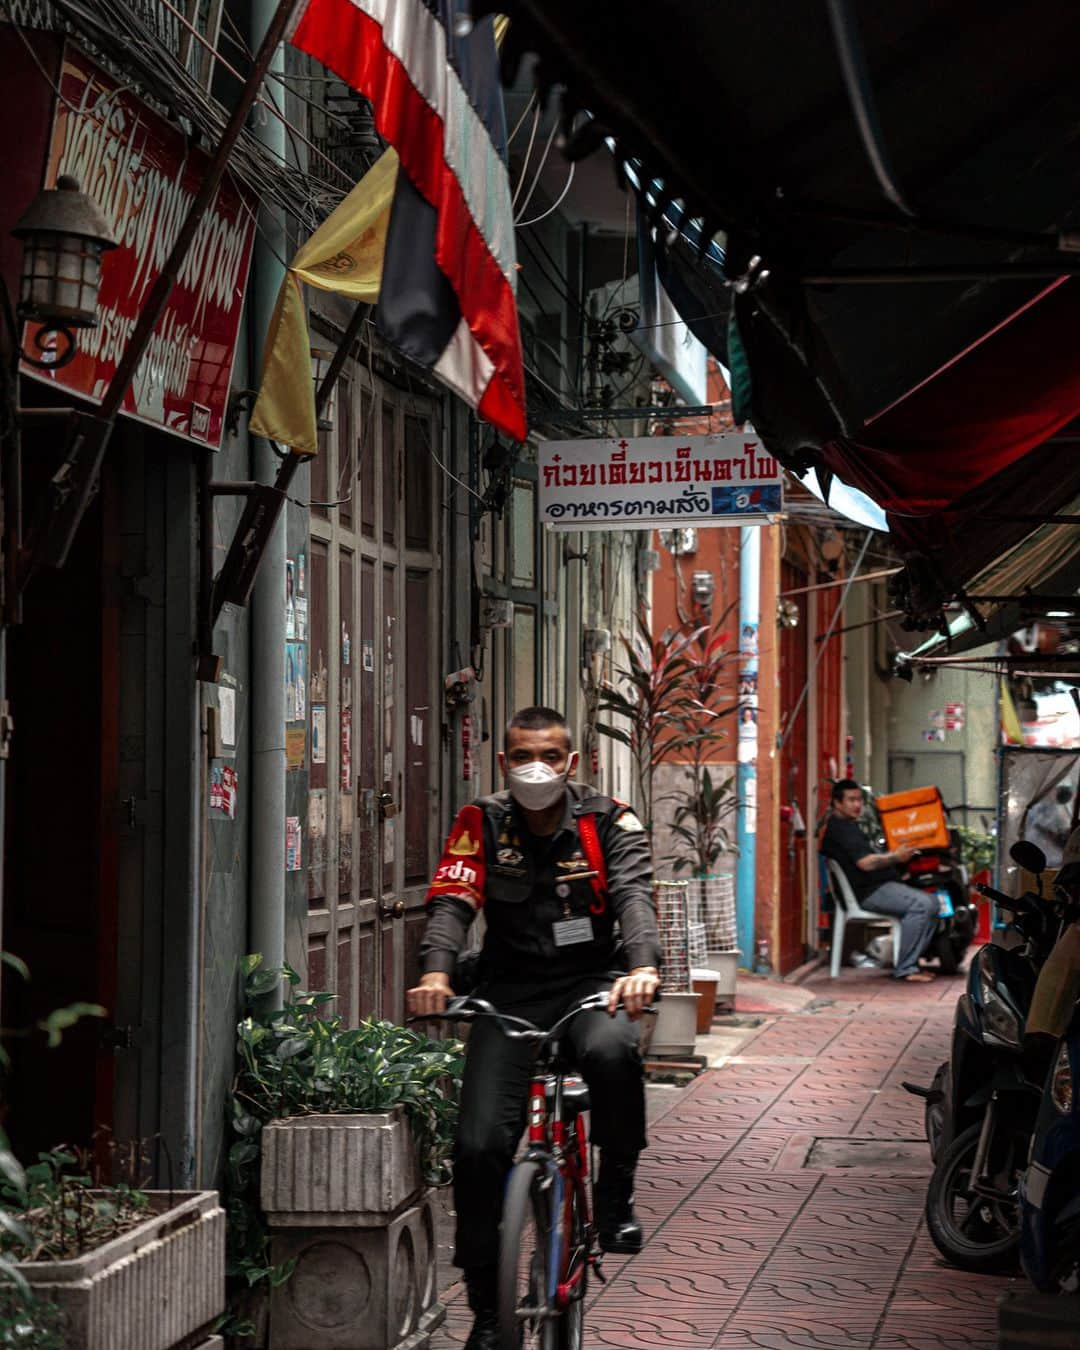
point(562, 1147)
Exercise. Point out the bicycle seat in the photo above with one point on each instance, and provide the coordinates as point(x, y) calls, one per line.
point(575, 1097)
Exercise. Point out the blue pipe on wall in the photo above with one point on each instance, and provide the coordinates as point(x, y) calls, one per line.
point(746, 777)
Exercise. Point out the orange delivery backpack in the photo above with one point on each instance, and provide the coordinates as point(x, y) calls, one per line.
point(915, 817)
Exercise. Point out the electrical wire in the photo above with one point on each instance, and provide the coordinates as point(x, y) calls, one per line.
point(525, 165)
point(539, 167)
point(524, 224)
point(524, 114)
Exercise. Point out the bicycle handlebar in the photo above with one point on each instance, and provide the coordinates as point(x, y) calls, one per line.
point(468, 1009)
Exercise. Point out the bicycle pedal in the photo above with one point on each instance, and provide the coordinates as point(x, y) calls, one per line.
point(598, 1270)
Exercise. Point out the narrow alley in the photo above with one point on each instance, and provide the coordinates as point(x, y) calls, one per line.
point(768, 1228)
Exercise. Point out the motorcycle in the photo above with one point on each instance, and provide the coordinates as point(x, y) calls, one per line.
point(942, 871)
point(981, 1106)
point(1050, 1187)
point(920, 817)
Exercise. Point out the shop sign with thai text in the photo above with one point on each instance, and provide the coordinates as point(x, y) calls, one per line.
point(658, 481)
point(143, 174)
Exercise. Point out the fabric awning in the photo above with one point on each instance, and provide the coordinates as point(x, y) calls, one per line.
point(913, 331)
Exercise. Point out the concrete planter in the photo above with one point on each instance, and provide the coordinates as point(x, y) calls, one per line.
point(347, 1171)
point(344, 1197)
point(153, 1288)
point(676, 1025)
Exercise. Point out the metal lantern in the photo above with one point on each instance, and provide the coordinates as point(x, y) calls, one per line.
point(64, 234)
point(320, 364)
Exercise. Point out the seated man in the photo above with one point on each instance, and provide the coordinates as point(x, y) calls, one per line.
point(875, 879)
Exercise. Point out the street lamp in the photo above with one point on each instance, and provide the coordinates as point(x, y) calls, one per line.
point(64, 235)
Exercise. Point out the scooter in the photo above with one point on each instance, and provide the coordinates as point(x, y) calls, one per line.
point(981, 1108)
point(941, 871)
point(1050, 1188)
point(1000, 983)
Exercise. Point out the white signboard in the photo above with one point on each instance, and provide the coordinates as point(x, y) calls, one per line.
point(664, 481)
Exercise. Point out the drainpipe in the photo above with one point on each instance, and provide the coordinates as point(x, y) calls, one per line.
point(267, 646)
point(746, 775)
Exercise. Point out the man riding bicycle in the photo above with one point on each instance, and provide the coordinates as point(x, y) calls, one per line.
point(553, 865)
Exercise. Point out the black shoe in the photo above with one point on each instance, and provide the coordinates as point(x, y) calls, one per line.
point(616, 1221)
point(485, 1331)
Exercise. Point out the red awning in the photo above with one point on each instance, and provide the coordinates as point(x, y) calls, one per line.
point(982, 412)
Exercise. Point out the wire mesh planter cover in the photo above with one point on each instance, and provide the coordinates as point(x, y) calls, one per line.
point(672, 913)
point(712, 916)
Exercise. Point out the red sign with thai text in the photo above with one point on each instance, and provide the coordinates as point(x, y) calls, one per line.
point(143, 174)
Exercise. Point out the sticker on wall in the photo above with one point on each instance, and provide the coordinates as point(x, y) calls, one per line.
point(346, 646)
point(290, 598)
point(227, 711)
point(954, 717)
point(934, 734)
point(346, 749)
point(301, 617)
point(292, 844)
point(224, 783)
point(295, 682)
point(319, 679)
point(367, 655)
point(318, 733)
point(937, 718)
point(345, 843)
point(301, 574)
point(750, 798)
point(295, 744)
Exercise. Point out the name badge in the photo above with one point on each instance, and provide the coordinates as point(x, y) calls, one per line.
point(569, 932)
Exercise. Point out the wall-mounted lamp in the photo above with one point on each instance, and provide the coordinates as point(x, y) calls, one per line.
point(64, 235)
point(320, 365)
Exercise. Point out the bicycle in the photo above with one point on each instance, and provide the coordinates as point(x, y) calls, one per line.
point(548, 1243)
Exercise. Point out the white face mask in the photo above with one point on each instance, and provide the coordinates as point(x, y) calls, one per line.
point(536, 786)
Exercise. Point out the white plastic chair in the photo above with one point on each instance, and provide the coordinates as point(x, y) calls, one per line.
point(846, 909)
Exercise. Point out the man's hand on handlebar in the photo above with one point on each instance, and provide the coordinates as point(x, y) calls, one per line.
point(430, 996)
point(635, 991)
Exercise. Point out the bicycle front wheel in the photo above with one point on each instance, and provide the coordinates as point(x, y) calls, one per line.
point(528, 1272)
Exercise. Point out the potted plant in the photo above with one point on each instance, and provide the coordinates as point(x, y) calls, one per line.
point(340, 1133)
point(89, 1266)
point(667, 704)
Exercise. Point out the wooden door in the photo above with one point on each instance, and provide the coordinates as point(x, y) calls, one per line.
point(379, 533)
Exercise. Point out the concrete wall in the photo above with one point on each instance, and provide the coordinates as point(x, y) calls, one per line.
point(889, 719)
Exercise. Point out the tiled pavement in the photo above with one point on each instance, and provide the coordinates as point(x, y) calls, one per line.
point(751, 1247)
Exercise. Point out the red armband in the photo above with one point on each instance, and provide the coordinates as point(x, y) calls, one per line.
point(461, 871)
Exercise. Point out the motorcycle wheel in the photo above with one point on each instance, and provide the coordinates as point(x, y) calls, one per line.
point(934, 1113)
point(970, 1231)
point(942, 947)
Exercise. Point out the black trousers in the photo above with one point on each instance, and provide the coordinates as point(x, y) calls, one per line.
point(494, 1098)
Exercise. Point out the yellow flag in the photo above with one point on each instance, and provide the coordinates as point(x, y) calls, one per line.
point(1010, 721)
point(344, 255)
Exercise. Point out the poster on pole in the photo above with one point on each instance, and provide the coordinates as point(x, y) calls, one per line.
point(658, 481)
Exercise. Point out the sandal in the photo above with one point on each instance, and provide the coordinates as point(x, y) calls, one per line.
point(917, 977)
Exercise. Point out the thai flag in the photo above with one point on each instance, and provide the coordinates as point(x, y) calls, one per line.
point(449, 274)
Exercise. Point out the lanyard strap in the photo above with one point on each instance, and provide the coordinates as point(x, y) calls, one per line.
point(590, 842)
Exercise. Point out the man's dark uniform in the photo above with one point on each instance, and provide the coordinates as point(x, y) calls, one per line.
point(550, 941)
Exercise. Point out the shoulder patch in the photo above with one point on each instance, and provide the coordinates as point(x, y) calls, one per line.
point(467, 837)
point(629, 822)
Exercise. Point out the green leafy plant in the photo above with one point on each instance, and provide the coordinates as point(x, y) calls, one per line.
point(651, 692)
point(702, 799)
point(978, 849)
point(699, 824)
point(47, 1211)
point(295, 1061)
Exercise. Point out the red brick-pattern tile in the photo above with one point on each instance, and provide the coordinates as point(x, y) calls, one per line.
point(751, 1249)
